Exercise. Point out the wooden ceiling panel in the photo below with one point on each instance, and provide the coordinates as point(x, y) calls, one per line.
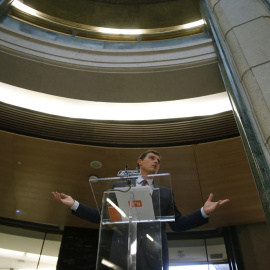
point(157, 133)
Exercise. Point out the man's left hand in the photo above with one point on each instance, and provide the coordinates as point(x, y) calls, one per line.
point(209, 207)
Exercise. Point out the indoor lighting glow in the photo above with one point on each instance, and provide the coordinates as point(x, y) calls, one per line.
point(20, 255)
point(22, 7)
point(11, 253)
point(110, 264)
point(193, 24)
point(149, 237)
point(32, 256)
point(133, 248)
point(43, 257)
point(49, 258)
point(116, 207)
point(120, 31)
point(20, 212)
point(107, 263)
point(199, 106)
point(40, 268)
point(115, 31)
point(193, 267)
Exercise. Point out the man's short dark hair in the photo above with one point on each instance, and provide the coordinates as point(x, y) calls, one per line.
point(144, 154)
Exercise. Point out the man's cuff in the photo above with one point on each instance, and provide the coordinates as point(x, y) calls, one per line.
point(203, 213)
point(75, 205)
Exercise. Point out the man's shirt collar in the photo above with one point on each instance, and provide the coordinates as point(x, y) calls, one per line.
point(140, 179)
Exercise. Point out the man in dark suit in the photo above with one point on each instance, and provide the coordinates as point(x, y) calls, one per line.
point(149, 163)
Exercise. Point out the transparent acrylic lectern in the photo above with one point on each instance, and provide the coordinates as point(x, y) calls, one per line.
point(130, 234)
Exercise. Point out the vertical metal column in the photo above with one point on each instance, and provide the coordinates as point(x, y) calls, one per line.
point(267, 3)
point(244, 119)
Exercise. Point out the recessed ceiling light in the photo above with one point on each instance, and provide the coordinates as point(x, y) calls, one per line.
point(120, 31)
point(96, 164)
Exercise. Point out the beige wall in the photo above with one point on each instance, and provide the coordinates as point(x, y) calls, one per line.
point(245, 27)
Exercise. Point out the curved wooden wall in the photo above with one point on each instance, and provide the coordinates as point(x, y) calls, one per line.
point(31, 168)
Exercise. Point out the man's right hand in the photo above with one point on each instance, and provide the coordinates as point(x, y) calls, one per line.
point(63, 198)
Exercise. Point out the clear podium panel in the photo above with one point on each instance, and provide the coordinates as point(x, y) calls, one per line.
point(136, 204)
point(130, 229)
point(122, 184)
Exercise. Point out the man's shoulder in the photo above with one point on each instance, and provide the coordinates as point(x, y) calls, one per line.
point(165, 189)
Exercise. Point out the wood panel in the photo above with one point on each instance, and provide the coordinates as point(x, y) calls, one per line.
point(181, 163)
point(31, 168)
point(223, 170)
point(7, 185)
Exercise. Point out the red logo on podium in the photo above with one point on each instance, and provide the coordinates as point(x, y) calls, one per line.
point(137, 203)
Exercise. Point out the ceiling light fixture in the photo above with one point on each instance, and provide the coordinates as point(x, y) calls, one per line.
point(24, 8)
point(117, 31)
point(193, 24)
point(113, 31)
point(96, 164)
point(81, 109)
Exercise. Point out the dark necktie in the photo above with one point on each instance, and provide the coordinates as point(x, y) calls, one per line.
point(144, 182)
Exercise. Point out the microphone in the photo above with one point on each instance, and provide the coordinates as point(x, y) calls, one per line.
point(128, 173)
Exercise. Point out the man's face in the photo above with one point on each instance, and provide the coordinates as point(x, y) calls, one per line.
point(150, 164)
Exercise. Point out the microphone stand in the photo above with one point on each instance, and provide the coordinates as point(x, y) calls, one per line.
point(127, 175)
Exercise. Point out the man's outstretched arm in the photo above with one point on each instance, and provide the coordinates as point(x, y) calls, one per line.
point(78, 209)
point(63, 198)
point(196, 218)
